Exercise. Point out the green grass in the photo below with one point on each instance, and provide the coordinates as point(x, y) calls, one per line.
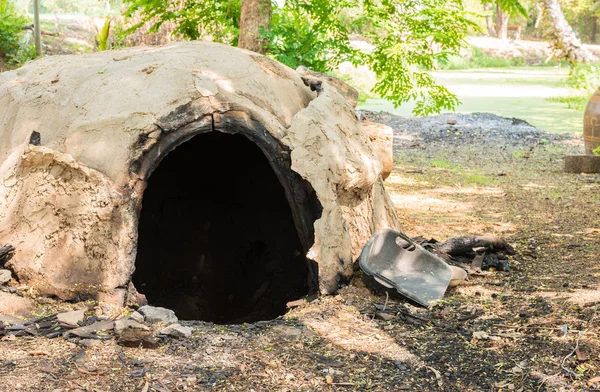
point(477, 58)
point(477, 179)
point(469, 177)
point(522, 93)
point(442, 163)
point(575, 102)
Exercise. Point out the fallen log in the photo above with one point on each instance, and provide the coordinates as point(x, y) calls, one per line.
point(464, 245)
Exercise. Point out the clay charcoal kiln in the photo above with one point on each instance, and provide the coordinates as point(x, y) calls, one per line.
point(210, 179)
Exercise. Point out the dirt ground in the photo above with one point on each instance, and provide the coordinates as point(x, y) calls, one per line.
point(449, 180)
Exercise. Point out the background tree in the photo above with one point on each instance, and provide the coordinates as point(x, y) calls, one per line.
point(408, 37)
point(582, 16)
point(566, 44)
point(13, 49)
point(504, 10)
point(255, 15)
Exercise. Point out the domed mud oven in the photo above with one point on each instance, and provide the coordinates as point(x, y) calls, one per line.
point(210, 179)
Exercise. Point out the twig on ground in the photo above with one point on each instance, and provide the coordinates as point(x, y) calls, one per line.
point(387, 297)
point(438, 376)
point(562, 365)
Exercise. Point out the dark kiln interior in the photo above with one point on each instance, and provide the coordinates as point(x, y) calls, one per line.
point(217, 240)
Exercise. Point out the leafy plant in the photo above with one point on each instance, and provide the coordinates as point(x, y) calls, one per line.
point(575, 102)
point(596, 151)
point(12, 47)
point(408, 37)
point(309, 35)
point(584, 77)
point(217, 19)
point(103, 35)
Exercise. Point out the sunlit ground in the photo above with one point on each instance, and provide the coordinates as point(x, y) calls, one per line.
point(518, 92)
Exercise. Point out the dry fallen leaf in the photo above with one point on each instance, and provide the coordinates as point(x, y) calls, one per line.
point(329, 379)
point(39, 353)
point(580, 356)
point(480, 335)
point(507, 385)
point(592, 381)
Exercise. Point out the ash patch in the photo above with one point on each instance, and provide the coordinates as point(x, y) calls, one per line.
point(461, 129)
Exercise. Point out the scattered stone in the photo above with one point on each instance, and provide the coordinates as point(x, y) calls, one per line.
point(71, 318)
point(481, 335)
point(154, 314)
point(137, 316)
point(451, 122)
point(177, 331)
point(10, 320)
point(296, 303)
point(124, 324)
point(5, 276)
point(90, 342)
point(91, 331)
point(14, 305)
point(287, 332)
point(134, 298)
point(384, 316)
point(401, 366)
point(137, 337)
point(326, 360)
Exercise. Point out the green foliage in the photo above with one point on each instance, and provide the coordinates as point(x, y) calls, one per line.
point(103, 35)
point(216, 19)
point(409, 37)
point(310, 34)
point(512, 7)
point(575, 102)
point(584, 77)
point(596, 151)
point(582, 15)
point(12, 47)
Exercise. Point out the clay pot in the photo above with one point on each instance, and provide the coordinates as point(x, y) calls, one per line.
point(591, 123)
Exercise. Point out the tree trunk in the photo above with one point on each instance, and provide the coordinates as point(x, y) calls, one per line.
point(255, 14)
point(563, 39)
point(501, 23)
point(594, 29)
point(488, 19)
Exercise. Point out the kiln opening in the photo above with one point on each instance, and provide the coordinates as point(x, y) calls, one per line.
point(217, 240)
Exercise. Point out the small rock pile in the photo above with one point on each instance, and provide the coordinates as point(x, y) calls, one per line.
point(145, 327)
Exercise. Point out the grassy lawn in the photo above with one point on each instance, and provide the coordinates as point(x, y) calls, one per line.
point(508, 92)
